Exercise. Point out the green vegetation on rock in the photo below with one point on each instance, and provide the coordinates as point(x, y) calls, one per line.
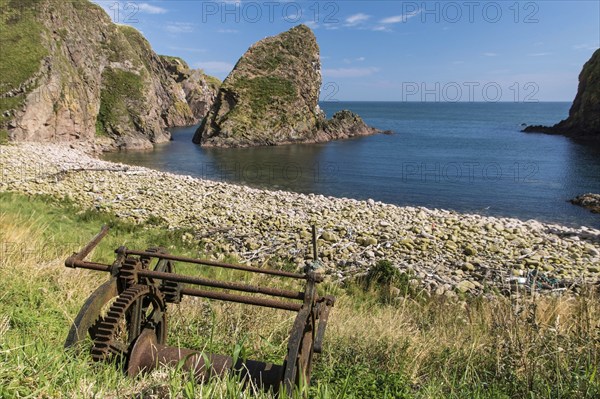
point(21, 50)
point(77, 61)
point(138, 47)
point(120, 100)
point(271, 97)
point(584, 115)
point(264, 91)
point(213, 81)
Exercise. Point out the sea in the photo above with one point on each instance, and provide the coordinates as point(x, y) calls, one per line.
point(467, 157)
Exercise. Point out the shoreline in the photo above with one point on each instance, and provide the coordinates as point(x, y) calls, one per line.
point(448, 251)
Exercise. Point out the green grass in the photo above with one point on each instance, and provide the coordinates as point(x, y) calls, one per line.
point(214, 82)
point(171, 58)
point(407, 346)
point(21, 43)
point(22, 49)
point(120, 100)
point(3, 136)
point(139, 48)
point(261, 93)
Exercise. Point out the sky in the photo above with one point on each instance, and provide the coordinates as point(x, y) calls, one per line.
point(447, 51)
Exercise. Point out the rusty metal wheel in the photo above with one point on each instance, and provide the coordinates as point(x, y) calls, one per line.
point(88, 317)
point(137, 308)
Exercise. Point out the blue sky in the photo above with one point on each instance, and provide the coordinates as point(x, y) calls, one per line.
point(392, 50)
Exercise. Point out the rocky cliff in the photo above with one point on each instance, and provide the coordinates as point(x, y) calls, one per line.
point(68, 73)
point(200, 89)
point(271, 97)
point(584, 116)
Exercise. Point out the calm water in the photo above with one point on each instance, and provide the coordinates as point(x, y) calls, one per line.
point(470, 157)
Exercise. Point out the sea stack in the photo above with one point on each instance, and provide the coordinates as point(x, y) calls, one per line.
point(272, 97)
point(584, 116)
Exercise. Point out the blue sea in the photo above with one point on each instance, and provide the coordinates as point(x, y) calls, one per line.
point(468, 157)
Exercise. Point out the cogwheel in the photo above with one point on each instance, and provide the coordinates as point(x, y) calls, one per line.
point(129, 271)
point(136, 308)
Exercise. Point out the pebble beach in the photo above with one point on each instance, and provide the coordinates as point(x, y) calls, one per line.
point(447, 252)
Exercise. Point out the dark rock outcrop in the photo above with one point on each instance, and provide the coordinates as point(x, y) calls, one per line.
point(69, 73)
point(271, 98)
point(584, 116)
point(588, 201)
point(200, 89)
point(342, 125)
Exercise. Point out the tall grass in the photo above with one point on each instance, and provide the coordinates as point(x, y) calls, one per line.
point(525, 346)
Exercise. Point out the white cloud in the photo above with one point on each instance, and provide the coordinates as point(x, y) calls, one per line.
point(400, 18)
point(381, 28)
point(214, 66)
point(353, 60)
point(490, 54)
point(150, 9)
point(349, 72)
point(538, 54)
point(180, 27)
point(357, 19)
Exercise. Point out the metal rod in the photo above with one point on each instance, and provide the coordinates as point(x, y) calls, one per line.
point(221, 284)
point(268, 303)
point(314, 242)
point(85, 251)
point(91, 265)
point(217, 264)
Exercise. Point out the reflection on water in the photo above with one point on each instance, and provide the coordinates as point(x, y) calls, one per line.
point(467, 157)
point(293, 167)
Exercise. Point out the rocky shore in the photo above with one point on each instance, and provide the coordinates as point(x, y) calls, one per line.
point(446, 252)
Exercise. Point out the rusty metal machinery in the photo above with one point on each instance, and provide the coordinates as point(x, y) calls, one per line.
point(126, 317)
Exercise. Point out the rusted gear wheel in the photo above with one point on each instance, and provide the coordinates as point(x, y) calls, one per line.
point(129, 271)
point(137, 308)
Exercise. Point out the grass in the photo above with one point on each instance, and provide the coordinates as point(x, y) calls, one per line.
point(376, 346)
point(261, 94)
point(20, 40)
point(137, 43)
point(3, 136)
point(22, 49)
point(120, 88)
point(174, 59)
point(214, 82)
point(262, 91)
